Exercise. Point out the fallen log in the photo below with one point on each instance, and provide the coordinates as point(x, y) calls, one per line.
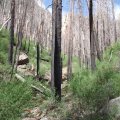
point(19, 78)
point(39, 90)
point(34, 87)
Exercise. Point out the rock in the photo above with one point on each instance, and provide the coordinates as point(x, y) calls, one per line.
point(44, 113)
point(36, 112)
point(29, 119)
point(64, 85)
point(25, 72)
point(48, 76)
point(23, 59)
point(45, 118)
point(64, 75)
point(22, 66)
point(112, 108)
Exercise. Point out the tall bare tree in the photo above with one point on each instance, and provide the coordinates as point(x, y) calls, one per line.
point(56, 68)
point(12, 32)
point(71, 37)
point(92, 48)
point(38, 57)
point(114, 21)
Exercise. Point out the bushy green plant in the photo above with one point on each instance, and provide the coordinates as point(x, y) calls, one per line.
point(3, 58)
point(94, 89)
point(4, 41)
point(14, 97)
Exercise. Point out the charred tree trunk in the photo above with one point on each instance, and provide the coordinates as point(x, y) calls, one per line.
point(92, 51)
point(11, 45)
point(56, 68)
point(38, 58)
point(28, 49)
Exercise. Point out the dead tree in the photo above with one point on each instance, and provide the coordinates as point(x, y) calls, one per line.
point(11, 45)
point(113, 12)
point(56, 66)
point(92, 51)
point(38, 57)
point(70, 46)
point(97, 43)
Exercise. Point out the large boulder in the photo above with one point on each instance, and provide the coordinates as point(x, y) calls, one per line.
point(112, 108)
point(23, 59)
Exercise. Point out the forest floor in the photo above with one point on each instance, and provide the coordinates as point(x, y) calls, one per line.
point(82, 97)
point(18, 100)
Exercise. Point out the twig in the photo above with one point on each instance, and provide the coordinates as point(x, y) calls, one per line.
point(111, 56)
point(5, 23)
point(48, 6)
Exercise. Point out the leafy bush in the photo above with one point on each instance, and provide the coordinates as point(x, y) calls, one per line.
point(95, 89)
point(14, 97)
point(4, 41)
point(3, 58)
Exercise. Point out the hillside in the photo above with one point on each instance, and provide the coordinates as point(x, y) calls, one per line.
point(85, 92)
point(12, 91)
point(59, 60)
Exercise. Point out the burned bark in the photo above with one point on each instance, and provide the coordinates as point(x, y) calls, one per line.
point(56, 68)
point(92, 50)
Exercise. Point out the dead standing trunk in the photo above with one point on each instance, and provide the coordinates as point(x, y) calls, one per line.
point(56, 68)
point(92, 51)
point(38, 58)
point(11, 45)
point(97, 43)
point(70, 47)
point(114, 21)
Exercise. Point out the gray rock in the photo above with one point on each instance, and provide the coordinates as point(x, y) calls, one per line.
point(45, 118)
point(23, 59)
point(36, 112)
point(112, 108)
point(29, 119)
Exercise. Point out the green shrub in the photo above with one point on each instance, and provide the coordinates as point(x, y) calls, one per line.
point(4, 41)
point(95, 89)
point(14, 97)
point(3, 58)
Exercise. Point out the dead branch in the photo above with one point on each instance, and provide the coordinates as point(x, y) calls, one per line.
point(111, 56)
point(5, 23)
point(48, 6)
